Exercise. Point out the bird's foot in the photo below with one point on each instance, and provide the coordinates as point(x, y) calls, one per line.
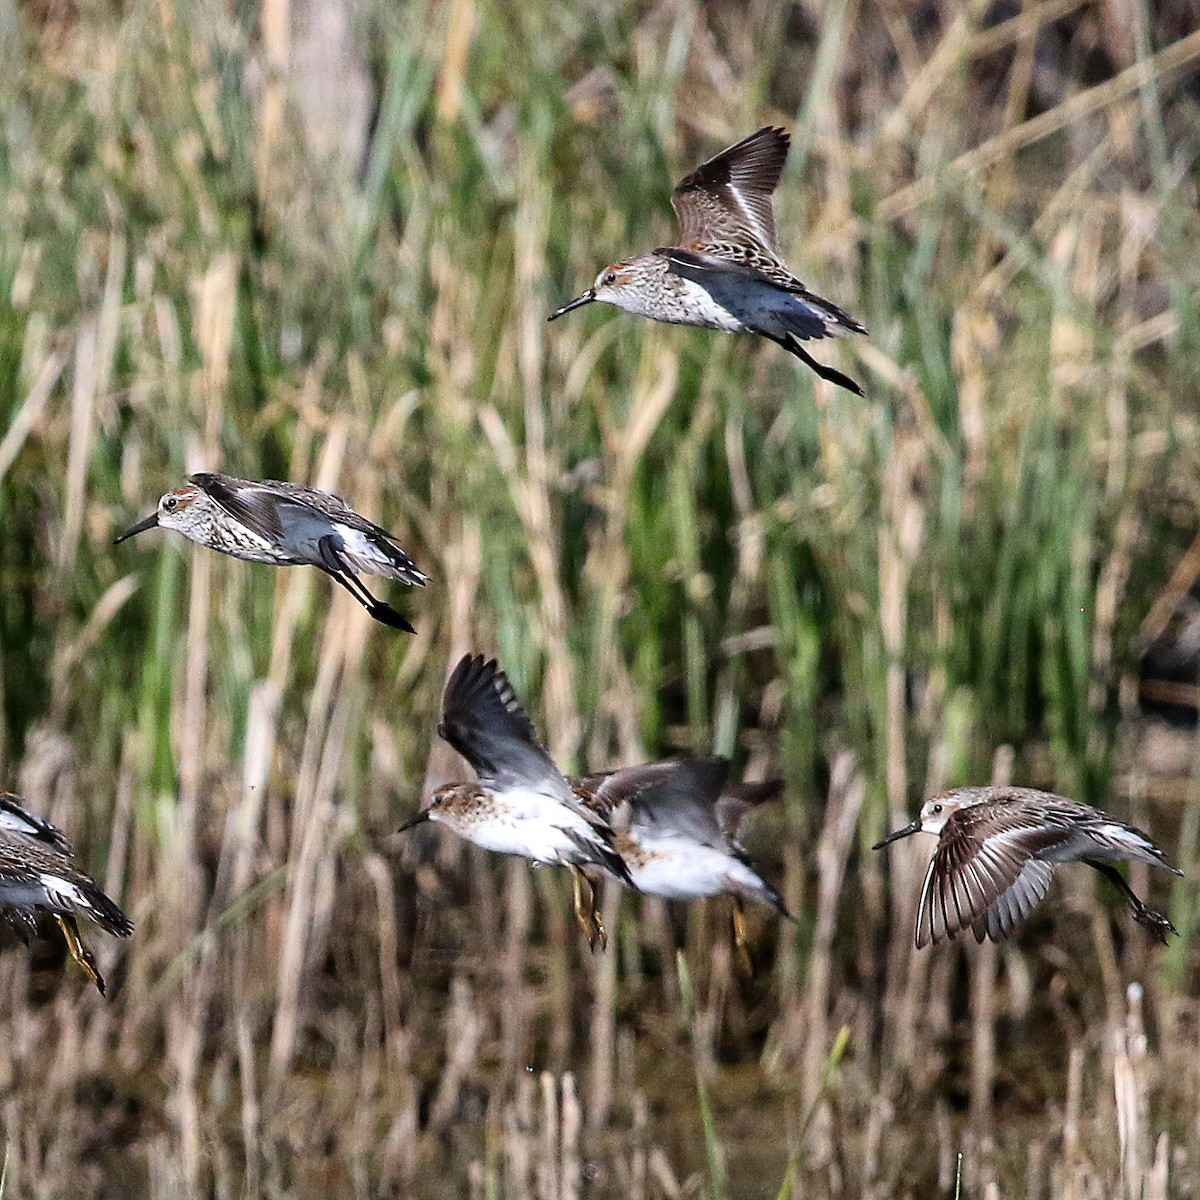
point(79, 952)
point(387, 615)
point(587, 913)
point(1157, 924)
point(598, 935)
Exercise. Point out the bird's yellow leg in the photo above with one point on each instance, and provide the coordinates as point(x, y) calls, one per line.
point(585, 910)
point(739, 936)
point(577, 895)
point(599, 933)
point(79, 952)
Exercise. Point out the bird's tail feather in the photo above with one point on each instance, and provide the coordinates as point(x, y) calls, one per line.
point(772, 896)
point(103, 910)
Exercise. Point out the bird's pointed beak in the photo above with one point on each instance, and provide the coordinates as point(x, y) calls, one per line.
point(414, 821)
point(587, 298)
point(896, 835)
point(151, 522)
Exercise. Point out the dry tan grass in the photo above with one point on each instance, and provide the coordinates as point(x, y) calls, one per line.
point(673, 541)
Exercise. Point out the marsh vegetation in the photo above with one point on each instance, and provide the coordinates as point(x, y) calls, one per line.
point(319, 242)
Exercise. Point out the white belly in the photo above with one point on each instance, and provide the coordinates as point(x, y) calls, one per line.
point(531, 825)
point(681, 302)
point(542, 843)
point(361, 551)
point(705, 310)
point(676, 870)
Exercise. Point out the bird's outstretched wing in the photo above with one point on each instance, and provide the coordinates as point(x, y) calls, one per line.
point(684, 803)
point(609, 792)
point(483, 720)
point(737, 799)
point(983, 875)
point(728, 198)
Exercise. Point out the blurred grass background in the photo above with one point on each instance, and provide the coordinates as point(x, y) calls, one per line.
point(319, 241)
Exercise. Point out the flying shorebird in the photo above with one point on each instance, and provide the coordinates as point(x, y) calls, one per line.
point(726, 273)
point(287, 525)
point(997, 850)
point(676, 824)
point(37, 876)
point(522, 804)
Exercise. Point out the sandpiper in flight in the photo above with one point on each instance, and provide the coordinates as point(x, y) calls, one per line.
point(676, 825)
point(726, 273)
point(521, 804)
point(287, 525)
point(997, 850)
point(38, 876)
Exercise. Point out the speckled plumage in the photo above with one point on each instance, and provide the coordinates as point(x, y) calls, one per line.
point(287, 524)
point(726, 272)
point(998, 848)
point(37, 875)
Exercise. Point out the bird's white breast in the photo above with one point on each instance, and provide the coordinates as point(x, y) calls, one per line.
point(678, 870)
point(680, 302)
point(527, 823)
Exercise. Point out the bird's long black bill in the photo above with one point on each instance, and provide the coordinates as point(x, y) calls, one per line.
point(587, 298)
point(151, 522)
point(897, 834)
point(413, 822)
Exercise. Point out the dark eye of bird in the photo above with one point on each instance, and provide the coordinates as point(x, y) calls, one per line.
point(611, 277)
point(937, 808)
point(172, 502)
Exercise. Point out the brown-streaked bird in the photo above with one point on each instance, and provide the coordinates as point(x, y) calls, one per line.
point(676, 826)
point(287, 525)
point(998, 848)
point(521, 803)
point(37, 876)
point(726, 273)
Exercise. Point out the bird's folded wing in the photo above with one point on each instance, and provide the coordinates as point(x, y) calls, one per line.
point(253, 505)
point(328, 505)
point(15, 818)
